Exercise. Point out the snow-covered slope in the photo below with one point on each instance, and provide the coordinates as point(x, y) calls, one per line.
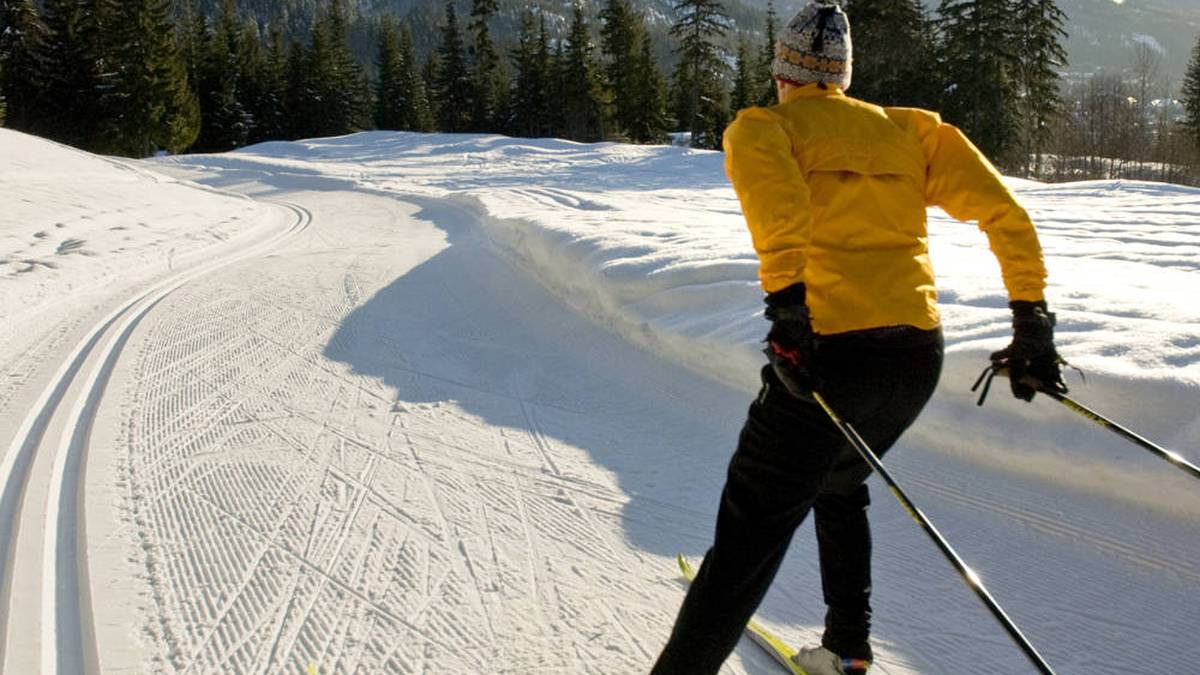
point(462, 416)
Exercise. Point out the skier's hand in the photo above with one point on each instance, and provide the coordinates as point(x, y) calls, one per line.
point(790, 341)
point(1031, 360)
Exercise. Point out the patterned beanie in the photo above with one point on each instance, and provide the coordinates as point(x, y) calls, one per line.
point(815, 47)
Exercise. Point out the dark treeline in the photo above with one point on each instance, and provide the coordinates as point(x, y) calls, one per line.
point(134, 77)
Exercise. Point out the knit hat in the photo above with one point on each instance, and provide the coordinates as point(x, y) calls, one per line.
point(815, 47)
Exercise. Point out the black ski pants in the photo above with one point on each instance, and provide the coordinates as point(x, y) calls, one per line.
point(791, 459)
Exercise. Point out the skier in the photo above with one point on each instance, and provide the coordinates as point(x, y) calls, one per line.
point(835, 191)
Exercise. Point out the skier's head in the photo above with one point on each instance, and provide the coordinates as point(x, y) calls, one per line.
point(815, 47)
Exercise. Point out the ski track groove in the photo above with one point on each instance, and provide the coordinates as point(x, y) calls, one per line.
point(1060, 528)
point(220, 392)
point(62, 640)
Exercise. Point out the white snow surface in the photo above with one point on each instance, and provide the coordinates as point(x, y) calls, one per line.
point(398, 402)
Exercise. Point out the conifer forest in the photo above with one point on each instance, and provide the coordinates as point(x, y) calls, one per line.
point(140, 77)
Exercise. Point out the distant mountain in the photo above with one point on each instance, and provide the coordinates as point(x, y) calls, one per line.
point(1103, 33)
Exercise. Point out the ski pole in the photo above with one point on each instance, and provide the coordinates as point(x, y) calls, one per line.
point(969, 576)
point(1172, 457)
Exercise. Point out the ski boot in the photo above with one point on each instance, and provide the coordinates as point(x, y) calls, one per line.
point(821, 661)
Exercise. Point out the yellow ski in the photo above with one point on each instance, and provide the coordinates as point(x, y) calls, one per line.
point(780, 650)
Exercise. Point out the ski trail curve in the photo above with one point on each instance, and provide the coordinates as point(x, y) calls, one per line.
point(66, 643)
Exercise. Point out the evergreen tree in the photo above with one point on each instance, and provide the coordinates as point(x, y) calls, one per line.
point(191, 38)
point(150, 99)
point(22, 40)
point(763, 79)
point(978, 60)
point(70, 72)
point(530, 98)
point(488, 80)
point(389, 96)
point(619, 35)
point(224, 120)
point(301, 99)
point(340, 84)
point(743, 94)
point(699, 96)
point(1039, 35)
point(649, 121)
point(558, 89)
point(1190, 95)
point(416, 114)
point(893, 52)
point(581, 99)
point(452, 81)
point(265, 84)
point(400, 100)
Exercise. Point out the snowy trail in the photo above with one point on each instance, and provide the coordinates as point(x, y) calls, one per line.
point(385, 449)
point(41, 485)
point(450, 425)
point(295, 509)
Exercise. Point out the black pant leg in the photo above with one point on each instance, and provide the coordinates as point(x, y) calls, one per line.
point(784, 453)
point(881, 391)
point(789, 455)
point(844, 547)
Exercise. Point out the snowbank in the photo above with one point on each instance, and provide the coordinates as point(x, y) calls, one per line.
point(72, 223)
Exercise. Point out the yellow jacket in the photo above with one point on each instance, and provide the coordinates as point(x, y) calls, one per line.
point(834, 191)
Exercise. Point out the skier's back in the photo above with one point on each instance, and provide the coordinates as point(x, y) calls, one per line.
point(835, 191)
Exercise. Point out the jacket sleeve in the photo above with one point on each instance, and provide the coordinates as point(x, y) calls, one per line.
point(773, 194)
point(962, 181)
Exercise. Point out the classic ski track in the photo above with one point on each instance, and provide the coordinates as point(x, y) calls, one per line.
point(1058, 527)
point(64, 540)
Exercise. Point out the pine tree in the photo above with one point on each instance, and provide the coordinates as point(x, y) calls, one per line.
point(558, 89)
point(22, 40)
point(530, 98)
point(1039, 35)
point(452, 80)
point(265, 83)
point(649, 121)
point(389, 96)
point(416, 114)
point(488, 80)
point(581, 100)
point(1190, 96)
point(224, 120)
point(763, 78)
point(301, 99)
point(619, 35)
point(149, 96)
point(70, 72)
point(699, 96)
point(340, 84)
point(979, 63)
point(893, 54)
point(743, 92)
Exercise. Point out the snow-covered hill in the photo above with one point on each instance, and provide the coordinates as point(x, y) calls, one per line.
point(450, 403)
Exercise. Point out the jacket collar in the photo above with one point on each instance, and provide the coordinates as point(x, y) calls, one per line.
point(811, 91)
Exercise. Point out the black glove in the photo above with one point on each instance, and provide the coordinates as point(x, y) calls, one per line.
point(790, 341)
point(1031, 360)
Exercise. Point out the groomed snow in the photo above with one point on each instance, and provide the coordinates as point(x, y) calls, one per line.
point(461, 420)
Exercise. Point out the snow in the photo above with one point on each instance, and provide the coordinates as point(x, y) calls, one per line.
point(451, 403)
